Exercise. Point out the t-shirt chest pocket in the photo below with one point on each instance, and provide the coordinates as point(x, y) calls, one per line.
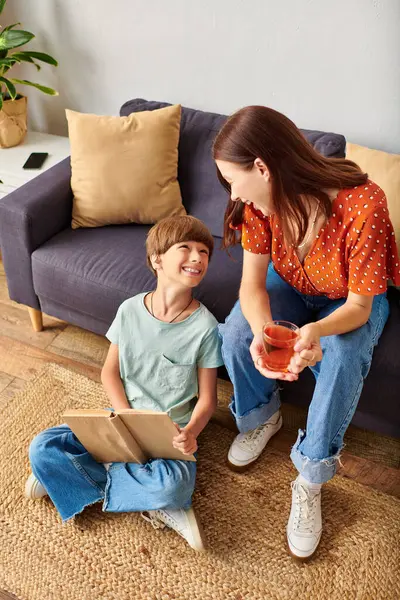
point(174, 375)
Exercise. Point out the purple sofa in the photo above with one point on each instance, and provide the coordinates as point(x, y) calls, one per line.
point(83, 275)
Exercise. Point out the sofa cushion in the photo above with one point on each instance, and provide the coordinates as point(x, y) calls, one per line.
point(95, 270)
point(124, 169)
point(202, 194)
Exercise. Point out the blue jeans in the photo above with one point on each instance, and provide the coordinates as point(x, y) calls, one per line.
point(339, 375)
point(74, 480)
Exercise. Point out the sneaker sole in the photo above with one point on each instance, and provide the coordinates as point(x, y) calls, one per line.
point(198, 532)
point(301, 559)
point(243, 468)
point(31, 487)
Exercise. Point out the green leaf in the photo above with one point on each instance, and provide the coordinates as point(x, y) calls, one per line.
point(22, 57)
point(10, 87)
point(40, 56)
point(13, 39)
point(2, 3)
point(1, 100)
point(42, 88)
point(7, 62)
point(10, 26)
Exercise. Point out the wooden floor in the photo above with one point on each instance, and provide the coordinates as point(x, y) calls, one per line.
point(23, 353)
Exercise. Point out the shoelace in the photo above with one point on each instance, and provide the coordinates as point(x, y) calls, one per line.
point(251, 437)
point(158, 523)
point(155, 522)
point(306, 503)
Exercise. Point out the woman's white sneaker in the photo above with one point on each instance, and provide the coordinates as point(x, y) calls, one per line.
point(304, 528)
point(182, 521)
point(33, 488)
point(247, 447)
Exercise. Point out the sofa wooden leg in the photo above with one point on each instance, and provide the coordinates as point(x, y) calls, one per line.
point(36, 318)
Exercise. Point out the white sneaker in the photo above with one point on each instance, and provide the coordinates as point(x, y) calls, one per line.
point(33, 488)
point(304, 528)
point(247, 447)
point(182, 521)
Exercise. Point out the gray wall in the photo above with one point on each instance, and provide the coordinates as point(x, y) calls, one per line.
point(327, 64)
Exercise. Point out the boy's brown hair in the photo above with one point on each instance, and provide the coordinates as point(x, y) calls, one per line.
point(175, 230)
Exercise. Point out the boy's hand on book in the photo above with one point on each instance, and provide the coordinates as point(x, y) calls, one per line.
point(184, 441)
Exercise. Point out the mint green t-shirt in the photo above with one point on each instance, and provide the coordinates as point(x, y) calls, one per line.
point(158, 361)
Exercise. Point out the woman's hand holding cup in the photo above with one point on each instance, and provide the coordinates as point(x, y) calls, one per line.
point(308, 351)
point(259, 356)
point(270, 346)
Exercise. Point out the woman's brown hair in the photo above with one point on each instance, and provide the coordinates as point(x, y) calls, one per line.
point(296, 169)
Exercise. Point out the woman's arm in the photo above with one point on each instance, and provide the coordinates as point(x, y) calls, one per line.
point(351, 315)
point(354, 313)
point(254, 302)
point(111, 379)
point(205, 407)
point(254, 299)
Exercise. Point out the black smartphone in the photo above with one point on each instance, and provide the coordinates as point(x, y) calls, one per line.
point(35, 160)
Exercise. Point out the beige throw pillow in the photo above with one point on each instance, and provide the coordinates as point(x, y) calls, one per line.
point(124, 169)
point(384, 169)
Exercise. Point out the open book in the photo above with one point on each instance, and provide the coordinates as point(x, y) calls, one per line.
point(126, 435)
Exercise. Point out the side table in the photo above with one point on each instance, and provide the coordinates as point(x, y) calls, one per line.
point(13, 176)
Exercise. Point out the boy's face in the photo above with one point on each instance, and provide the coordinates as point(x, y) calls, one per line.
point(185, 263)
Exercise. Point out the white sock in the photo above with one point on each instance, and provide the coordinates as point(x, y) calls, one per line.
point(313, 486)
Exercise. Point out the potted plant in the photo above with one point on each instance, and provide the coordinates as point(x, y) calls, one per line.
point(13, 106)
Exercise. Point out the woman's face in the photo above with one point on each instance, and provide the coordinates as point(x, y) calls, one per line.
point(249, 186)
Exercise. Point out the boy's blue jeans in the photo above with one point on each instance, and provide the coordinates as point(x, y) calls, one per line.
point(73, 479)
point(339, 375)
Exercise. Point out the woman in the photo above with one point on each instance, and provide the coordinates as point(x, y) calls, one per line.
point(321, 231)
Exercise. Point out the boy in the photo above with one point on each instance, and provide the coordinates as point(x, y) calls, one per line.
point(164, 355)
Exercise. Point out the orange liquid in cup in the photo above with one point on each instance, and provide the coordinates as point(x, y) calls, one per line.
point(279, 342)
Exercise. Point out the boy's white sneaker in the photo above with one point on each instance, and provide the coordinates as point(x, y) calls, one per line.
point(33, 488)
point(182, 521)
point(247, 447)
point(304, 528)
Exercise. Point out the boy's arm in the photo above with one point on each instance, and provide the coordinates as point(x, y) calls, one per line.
point(206, 403)
point(205, 407)
point(111, 379)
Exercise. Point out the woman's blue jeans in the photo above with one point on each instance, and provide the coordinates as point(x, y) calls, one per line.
point(339, 375)
point(73, 479)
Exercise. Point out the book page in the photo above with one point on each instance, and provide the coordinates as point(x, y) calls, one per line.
point(104, 436)
point(154, 432)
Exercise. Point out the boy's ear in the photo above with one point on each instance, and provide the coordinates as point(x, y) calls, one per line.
point(155, 262)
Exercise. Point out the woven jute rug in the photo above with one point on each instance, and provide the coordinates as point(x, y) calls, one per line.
point(119, 556)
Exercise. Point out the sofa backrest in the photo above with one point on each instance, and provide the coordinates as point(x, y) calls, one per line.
point(202, 194)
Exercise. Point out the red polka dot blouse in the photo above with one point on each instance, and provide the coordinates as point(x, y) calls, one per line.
point(354, 251)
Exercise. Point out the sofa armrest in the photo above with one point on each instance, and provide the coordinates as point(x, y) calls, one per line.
point(30, 216)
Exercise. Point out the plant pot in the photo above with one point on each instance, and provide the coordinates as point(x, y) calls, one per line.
point(13, 122)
